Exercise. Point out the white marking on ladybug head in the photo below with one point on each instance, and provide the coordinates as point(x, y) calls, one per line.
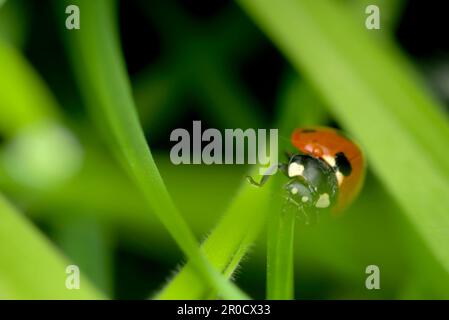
point(294, 190)
point(304, 199)
point(340, 177)
point(323, 201)
point(330, 160)
point(295, 169)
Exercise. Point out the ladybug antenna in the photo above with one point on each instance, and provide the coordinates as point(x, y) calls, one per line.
point(289, 154)
point(283, 138)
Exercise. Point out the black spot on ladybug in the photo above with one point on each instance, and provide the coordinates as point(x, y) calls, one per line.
point(343, 164)
point(308, 130)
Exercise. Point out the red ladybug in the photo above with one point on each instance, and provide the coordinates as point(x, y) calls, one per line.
point(327, 170)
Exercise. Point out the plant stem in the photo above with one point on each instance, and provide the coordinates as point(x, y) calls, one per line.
point(280, 264)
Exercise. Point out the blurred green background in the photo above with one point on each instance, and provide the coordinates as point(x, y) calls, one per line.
point(210, 61)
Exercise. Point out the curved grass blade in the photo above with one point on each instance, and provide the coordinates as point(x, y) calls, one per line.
point(102, 76)
point(226, 245)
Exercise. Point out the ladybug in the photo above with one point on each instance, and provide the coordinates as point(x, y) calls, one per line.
point(326, 170)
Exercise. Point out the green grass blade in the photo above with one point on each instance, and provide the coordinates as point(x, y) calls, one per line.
point(390, 13)
point(24, 98)
point(280, 239)
point(372, 91)
point(226, 245)
point(89, 246)
point(105, 85)
point(30, 268)
point(299, 106)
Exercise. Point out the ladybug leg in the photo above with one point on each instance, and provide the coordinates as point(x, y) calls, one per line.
point(306, 216)
point(310, 215)
point(308, 220)
point(255, 183)
point(282, 167)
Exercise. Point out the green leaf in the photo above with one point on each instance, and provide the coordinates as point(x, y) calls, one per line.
point(24, 98)
point(373, 93)
point(30, 268)
point(101, 73)
point(226, 245)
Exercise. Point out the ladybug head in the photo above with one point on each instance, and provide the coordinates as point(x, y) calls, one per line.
point(312, 182)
